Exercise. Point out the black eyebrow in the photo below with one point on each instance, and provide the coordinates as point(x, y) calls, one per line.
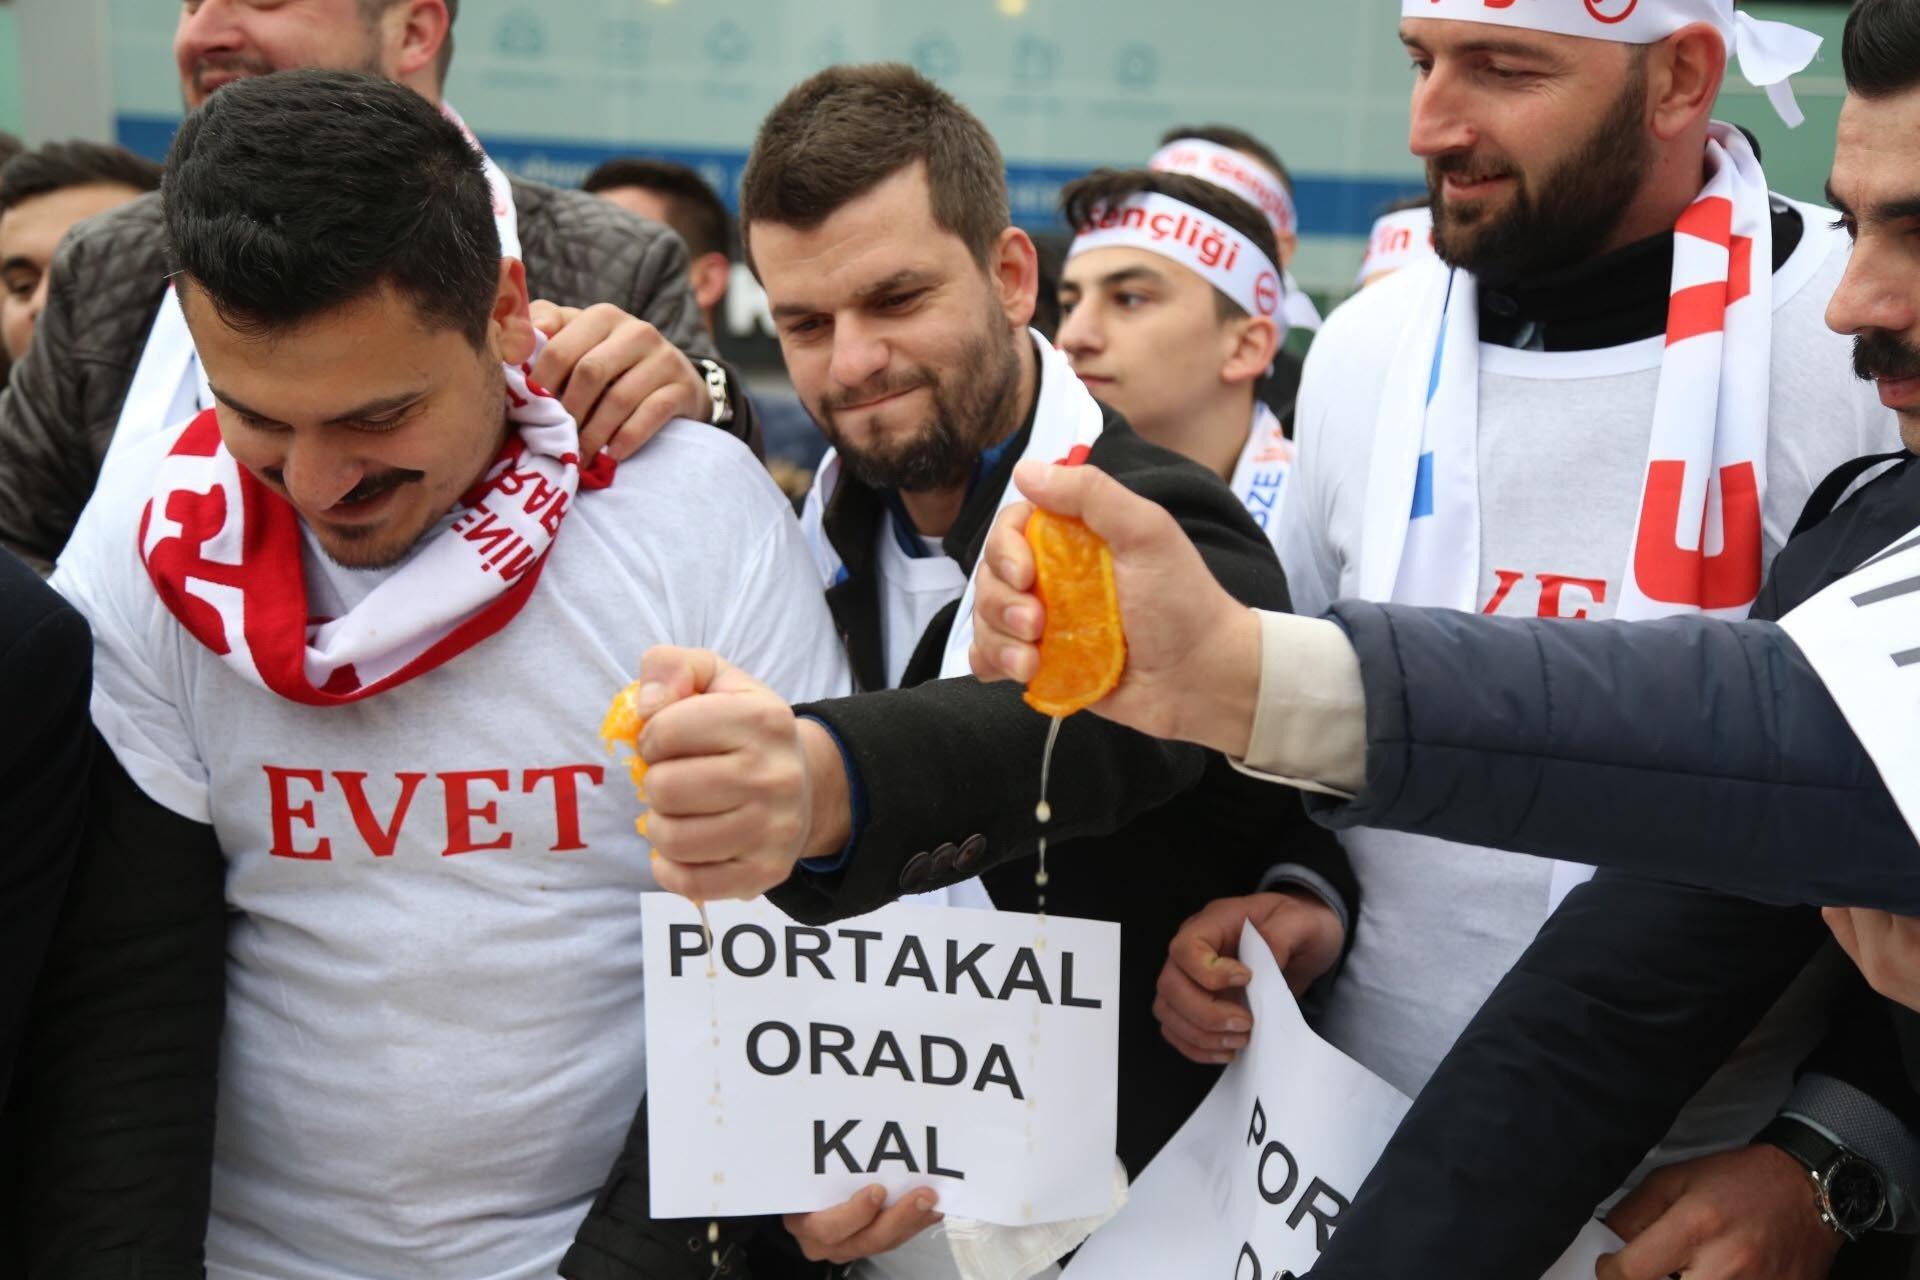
point(19, 260)
point(1895, 210)
point(359, 413)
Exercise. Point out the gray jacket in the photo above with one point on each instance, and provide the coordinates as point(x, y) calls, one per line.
point(61, 406)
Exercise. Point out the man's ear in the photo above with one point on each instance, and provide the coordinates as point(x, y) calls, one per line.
point(412, 35)
point(710, 275)
point(510, 328)
point(1015, 267)
point(1251, 344)
point(1684, 74)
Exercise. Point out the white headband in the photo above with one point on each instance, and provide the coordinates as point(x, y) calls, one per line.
point(1203, 245)
point(1769, 52)
point(1224, 167)
point(1399, 240)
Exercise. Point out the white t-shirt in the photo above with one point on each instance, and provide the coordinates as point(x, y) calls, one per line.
point(912, 590)
point(434, 1039)
point(1563, 444)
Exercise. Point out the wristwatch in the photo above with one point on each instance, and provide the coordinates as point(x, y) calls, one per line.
point(1849, 1192)
point(716, 375)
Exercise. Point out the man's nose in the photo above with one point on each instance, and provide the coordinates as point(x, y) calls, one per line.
point(1080, 331)
point(1874, 294)
point(859, 354)
point(1440, 120)
point(317, 475)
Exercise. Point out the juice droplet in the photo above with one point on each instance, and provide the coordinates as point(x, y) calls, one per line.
point(713, 1233)
point(1043, 813)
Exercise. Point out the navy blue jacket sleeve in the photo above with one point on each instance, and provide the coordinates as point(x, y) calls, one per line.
point(1691, 749)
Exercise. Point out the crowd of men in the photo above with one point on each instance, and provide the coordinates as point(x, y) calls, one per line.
point(360, 472)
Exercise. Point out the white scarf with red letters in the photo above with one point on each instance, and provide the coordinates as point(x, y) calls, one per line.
point(224, 552)
point(1697, 542)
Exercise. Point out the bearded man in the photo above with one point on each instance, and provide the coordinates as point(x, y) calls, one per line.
point(874, 210)
point(1610, 396)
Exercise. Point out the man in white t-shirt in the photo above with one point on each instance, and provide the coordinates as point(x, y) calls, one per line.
point(1499, 430)
point(364, 630)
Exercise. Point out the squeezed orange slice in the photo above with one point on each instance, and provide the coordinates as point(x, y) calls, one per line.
point(1082, 650)
point(621, 728)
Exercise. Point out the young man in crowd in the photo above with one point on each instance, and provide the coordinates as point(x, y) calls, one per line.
point(1178, 339)
point(431, 1051)
point(1236, 161)
point(42, 193)
point(114, 356)
point(680, 198)
point(903, 296)
point(675, 196)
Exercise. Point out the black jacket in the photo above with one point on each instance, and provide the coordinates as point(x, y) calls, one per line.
point(46, 669)
point(950, 772)
point(60, 407)
point(1556, 740)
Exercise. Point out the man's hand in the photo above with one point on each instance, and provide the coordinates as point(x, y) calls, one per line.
point(616, 375)
point(1885, 947)
point(738, 789)
point(1740, 1215)
point(863, 1226)
point(1193, 651)
point(1198, 1001)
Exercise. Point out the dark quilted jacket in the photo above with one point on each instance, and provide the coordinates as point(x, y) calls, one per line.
point(64, 399)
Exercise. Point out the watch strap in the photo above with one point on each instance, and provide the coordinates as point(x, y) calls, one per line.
point(1814, 1150)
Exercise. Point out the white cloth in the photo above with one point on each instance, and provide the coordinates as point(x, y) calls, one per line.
point(1191, 238)
point(169, 386)
point(1699, 542)
point(1769, 52)
point(1561, 456)
point(1260, 474)
point(1398, 241)
point(1234, 171)
point(432, 1055)
point(1297, 306)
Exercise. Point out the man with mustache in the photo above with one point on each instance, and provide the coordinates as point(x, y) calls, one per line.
point(352, 644)
point(113, 357)
point(1609, 397)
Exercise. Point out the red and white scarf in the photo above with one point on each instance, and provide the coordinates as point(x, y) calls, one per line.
point(224, 552)
point(1697, 542)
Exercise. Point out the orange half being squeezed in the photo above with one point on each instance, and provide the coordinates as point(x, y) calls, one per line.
point(621, 728)
point(1083, 649)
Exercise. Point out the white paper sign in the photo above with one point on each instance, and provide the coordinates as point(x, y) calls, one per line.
point(1862, 634)
point(1255, 1182)
point(970, 1051)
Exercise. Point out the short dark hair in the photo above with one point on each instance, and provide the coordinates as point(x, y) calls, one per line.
point(1225, 135)
point(60, 165)
point(844, 131)
point(10, 146)
point(1880, 48)
point(693, 208)
point(290, 194)
point(1082, 198)
point(370, 11)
